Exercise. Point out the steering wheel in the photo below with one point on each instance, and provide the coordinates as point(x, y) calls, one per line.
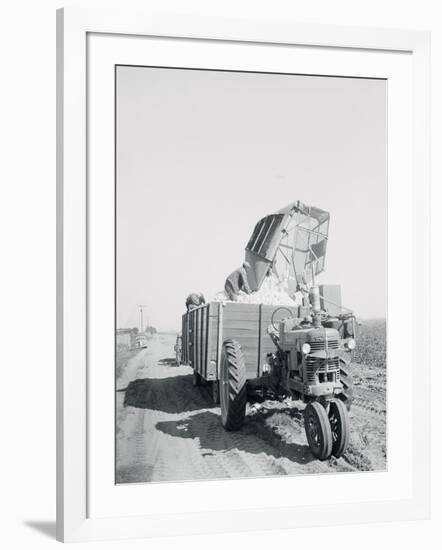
point(273, 315)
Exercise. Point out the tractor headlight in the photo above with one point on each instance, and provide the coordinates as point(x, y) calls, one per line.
point(351, 344)
point(306, 348)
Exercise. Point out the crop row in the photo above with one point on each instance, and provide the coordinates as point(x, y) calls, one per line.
point(371, 346)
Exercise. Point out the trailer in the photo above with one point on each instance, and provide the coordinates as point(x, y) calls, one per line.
point(206, 328)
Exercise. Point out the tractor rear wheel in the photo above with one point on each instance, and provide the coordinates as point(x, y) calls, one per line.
point(346, 396)
point(340, 427)
point(233, 390)
point(318, 430)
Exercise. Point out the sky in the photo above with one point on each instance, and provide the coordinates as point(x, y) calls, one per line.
point(203, 155)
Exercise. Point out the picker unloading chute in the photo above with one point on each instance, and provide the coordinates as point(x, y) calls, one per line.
point(293, 241)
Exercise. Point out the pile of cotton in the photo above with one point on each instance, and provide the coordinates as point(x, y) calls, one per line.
point(272, 292)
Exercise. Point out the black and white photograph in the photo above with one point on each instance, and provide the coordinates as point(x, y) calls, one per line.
point(251, 274)
point(221, 220)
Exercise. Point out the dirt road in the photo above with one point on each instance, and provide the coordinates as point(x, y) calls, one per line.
point(168, 430)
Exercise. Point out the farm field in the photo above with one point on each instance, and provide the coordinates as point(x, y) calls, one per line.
point(169, 430)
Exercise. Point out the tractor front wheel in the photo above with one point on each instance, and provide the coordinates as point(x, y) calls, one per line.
point(318, 430)
point(233, 390)
point(340, 427)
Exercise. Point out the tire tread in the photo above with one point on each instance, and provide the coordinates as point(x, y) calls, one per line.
point(237, 385)
point(321, 415)
point(347, 394)
point(340, 446)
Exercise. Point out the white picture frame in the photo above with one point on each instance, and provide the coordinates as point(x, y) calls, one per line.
point(89, 44)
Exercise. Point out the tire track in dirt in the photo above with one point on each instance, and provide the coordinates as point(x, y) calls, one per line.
point(366, 406)
point(169, 430)
point(179, 434)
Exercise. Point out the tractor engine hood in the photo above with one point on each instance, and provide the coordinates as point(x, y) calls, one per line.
point(293, 241)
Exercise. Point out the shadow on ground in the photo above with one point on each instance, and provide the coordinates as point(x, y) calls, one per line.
point(45, 527)
point(170, 395)
point(206, 426)
point(168, 362)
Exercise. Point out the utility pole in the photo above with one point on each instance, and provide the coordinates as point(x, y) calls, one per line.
point(141, 316)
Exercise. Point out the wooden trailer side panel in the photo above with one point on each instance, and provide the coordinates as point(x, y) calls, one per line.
point(204, 330)
point(199, 340)
point(184, 341)
point(212, 341)
point(278, 313)
point(241, 322)
point(187, 343)
point(248, 324)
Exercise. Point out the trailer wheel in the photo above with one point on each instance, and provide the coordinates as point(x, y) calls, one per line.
point(318, 430)
point(196, 380)
point(233, 391)
point(340, 427)
point(215, 391)
point(346, 396)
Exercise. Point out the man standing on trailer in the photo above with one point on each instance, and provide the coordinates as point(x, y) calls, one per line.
point(195, 300)
point(237, 281)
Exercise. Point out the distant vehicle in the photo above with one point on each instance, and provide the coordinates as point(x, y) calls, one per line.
point(178, 348)
point(141, 341)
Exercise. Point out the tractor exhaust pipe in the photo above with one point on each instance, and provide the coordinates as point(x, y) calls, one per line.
point(316, 306)
point(315, 300)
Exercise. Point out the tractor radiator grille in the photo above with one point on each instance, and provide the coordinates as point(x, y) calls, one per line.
point(321, 370)
point(323, 365)
point(333, 343)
